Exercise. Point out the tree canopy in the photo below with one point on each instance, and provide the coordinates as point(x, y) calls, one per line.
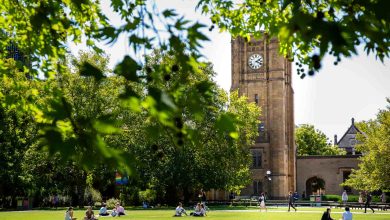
point(167, 164)
point(308, 29)
point(311, 141)
point(41, 31)
point(374, 165)
point(75, 118)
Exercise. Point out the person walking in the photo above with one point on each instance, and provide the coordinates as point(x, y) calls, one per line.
point(262, 202)
point(360, 200)
point(347, 215)
point(368, 203)
point(344, 197)
point(383, 197)
point(290, 199)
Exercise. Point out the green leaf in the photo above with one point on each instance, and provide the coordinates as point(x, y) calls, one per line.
point(169, 13)
point(87, 69)
point(128, 68)
point(106, 126)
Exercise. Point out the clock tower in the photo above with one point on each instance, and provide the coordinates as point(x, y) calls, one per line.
point(264, 76)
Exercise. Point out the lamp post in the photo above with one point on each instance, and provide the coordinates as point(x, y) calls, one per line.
point(268, 175)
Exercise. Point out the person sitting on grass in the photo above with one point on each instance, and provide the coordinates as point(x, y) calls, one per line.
point(179, 210)
point(69, 214)
point(347, 215)
point(118, 210)
point(326, 215)
point(199, 210)
point(103, 210)
point(89, 214)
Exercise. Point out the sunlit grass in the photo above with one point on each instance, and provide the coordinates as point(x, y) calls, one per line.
point(304, 213)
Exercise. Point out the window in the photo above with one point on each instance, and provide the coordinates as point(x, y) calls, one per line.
point(257, 99)
point(257, 187)
point(261, 127)
point(256, 156)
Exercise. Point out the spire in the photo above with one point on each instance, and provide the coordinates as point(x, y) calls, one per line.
point(335, 139)
point(353, 121)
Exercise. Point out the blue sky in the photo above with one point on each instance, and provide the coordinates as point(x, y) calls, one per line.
point(357, 87)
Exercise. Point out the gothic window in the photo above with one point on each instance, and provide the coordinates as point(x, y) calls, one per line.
point(256, 159)
point(257, 187)
point(257, 98)
point(261, 127)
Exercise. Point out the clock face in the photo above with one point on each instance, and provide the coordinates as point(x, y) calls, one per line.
point(255, 61)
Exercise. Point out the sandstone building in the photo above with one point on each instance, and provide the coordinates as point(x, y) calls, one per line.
point(264, 76)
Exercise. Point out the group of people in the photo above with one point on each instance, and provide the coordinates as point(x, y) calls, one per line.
point(347, 215)
point(200, 210)
point(291, 198)
point(90, 215)
point(364, 198)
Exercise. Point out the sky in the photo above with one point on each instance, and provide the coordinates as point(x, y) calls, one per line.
point(356, 88)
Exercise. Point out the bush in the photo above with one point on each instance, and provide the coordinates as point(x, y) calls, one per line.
point(111, 203)
point(92, 195)
point(335, 198)
point(353, 198)
point(148, 195)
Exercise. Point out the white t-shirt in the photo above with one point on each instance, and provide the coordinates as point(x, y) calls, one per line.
point(179, 211)
point(67, 216)
point(344, 196)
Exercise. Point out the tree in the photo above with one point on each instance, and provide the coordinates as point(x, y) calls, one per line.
point(17, 128)
point(308, 30)
point(42, 29)
point(208, 156)
point(311, 141)
point(375, 146)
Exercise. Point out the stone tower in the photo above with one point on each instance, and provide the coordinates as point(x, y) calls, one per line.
point(264, 76)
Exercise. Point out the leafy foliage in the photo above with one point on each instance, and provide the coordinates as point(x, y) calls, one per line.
point(311, 141)
point(42, 30)
point(201, 152)
point(375, 147)
point(308, 30)
point(171, 158)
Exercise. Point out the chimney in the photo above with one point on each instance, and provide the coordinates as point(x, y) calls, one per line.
point(335, 139)
point(353, 121)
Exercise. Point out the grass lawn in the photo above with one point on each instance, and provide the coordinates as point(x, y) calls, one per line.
point(247, 214)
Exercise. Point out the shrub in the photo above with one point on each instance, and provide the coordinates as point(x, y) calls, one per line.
point(111, 203)
point(148, 195)
point(335, 198)
point(353, 198)
point(92, 195)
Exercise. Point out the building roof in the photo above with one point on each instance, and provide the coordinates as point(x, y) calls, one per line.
point(348, 140)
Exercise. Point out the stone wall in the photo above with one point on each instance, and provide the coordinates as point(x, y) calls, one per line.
point(328, 168)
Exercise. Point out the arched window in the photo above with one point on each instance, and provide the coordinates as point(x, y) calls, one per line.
point(256, 159)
